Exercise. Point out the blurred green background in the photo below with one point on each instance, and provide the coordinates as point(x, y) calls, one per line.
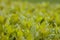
point(37, 1)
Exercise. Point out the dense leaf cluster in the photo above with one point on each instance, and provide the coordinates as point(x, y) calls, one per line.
point(29, 21)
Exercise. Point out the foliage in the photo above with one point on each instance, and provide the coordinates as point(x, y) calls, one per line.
point(29, 21)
